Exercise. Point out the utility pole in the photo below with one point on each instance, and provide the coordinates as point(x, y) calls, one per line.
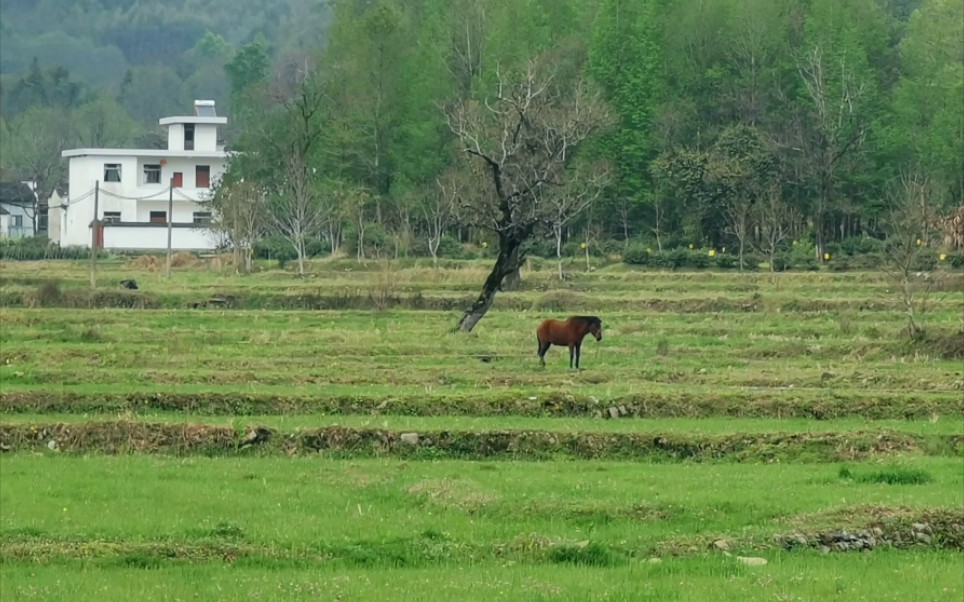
point(94, 231)
point(170, 218)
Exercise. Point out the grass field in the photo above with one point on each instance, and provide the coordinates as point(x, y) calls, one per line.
point(333, 438)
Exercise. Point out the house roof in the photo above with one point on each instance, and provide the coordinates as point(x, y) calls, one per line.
point(142, 152)
point(16, 193)
point(192, 119)
point(4, 211)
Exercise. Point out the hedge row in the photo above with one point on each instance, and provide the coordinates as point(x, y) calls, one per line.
point(751, 404)
point(187, 438)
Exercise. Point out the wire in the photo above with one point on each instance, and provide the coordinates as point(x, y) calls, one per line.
point(150, 197)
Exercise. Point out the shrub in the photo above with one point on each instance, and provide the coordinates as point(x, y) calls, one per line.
point(637, 254)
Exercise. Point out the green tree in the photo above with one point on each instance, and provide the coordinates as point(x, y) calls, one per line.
point(626, 60)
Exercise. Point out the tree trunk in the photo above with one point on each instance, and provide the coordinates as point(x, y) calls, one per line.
point(514, 279)
point(506, 263)
point(557, 230)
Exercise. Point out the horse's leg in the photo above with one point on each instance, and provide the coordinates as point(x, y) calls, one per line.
point(578, 353)
point(543, 348)
point(572, 355)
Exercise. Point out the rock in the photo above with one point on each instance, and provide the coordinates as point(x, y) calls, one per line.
point(702, 370)
point(614, 412)
point(921, 527)
point(592, 399)
point(655, 560)
point(826, 376)
point(255, 436)
point(721, 544)
point(923, 538)
point(4, 447)
point(409, 438)
point(623, 411)
point(752, 560)
point(824, 549)
point(129, 283)
point(52, 445)
point(597, 414)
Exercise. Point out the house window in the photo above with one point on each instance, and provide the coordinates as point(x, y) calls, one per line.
point(202, 176)
point(152, 174)
point(202, 217)
point(112, 217)
point(178, 179)
point(16, 221)
point(112, 172)
point(188, 136)
point(158, 217)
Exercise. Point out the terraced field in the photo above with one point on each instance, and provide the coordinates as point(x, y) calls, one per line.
point(264, 437)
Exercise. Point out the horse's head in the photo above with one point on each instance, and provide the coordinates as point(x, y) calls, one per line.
point(595, 328)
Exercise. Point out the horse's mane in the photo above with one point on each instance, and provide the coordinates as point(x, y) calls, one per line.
point(588, 319)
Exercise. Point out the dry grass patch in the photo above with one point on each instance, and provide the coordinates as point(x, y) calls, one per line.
point(461, 494)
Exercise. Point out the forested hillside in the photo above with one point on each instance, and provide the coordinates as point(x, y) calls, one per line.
point(383, 124)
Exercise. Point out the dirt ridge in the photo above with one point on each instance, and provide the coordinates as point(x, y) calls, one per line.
point(119, 437)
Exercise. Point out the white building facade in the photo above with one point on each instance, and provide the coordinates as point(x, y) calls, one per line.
point(135, 189)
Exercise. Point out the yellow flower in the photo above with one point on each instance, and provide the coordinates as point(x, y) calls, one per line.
point(794, 243)
point(712, 253)
point(826, 256)
point(918, 242)
point(485, 245)
point(648, 250)
point(582, 246)
point(943, 257)
point(691, 245)
point(65, 509)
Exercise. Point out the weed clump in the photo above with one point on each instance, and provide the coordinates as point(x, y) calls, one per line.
point(895, 475)
point(590, 554)
point(48, 294)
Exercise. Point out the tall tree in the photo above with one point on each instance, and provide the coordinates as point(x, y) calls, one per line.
point(838, 87)
point(525, 136)
point(625, 59)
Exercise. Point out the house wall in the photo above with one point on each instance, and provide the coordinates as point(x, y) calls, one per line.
point(133, 198)
point(26, 221)
point(175, 136)
point(154, 237)
point(205, 137)
point(4, 225)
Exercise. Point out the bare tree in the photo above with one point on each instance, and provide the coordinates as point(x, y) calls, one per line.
point(565, 202)
point(279, 155)
point(912, 212)
point(440, 208)
point(774, 222)
point(239, 216)
point(738, 214)
point(837, 130)
point(524, 136)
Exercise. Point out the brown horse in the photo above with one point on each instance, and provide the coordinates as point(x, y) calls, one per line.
point(569, 333)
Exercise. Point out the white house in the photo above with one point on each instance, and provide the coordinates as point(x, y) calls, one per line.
point(18, 204)
point(134, 188)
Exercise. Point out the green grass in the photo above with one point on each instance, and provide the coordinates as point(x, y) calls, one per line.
point(698, 354)
point(880, 576)
point(307, 503)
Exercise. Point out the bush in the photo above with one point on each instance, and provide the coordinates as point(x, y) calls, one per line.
point(727, 262)
point(955, 260)
point(38, 247)
point(274, 247)
point(638, 254)
point(862, 245)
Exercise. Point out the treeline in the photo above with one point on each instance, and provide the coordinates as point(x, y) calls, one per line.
point(733, 123)
point(727, 123)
